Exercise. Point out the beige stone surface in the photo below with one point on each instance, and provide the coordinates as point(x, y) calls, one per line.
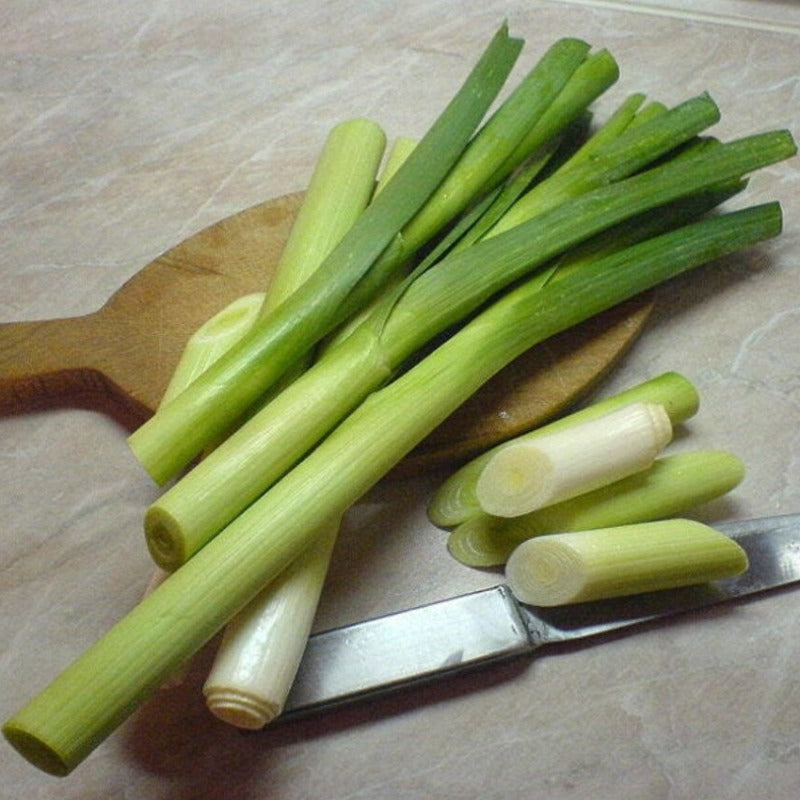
point(126, 127)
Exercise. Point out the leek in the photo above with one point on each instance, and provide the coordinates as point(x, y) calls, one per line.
point(213, 338)
point(582, 566)
point(191, 512)
point(455, 500)
point(673, 486)
point(69, 718)
point(531, 474)
point(612, 160)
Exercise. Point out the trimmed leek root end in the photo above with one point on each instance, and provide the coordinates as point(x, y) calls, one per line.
point(613, 562)
point(166, 547)
point(263, 645)
point(528, 475)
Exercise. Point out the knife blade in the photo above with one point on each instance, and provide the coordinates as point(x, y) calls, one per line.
point(422, 644)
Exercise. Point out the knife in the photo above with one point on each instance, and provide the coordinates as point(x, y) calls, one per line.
point(441, 639)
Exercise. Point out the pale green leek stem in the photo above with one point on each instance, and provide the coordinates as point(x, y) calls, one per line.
point(528, 475)
point(340, 188)
point(455, 500)
point(579, 567)
point(674, 485)
point(213, 338)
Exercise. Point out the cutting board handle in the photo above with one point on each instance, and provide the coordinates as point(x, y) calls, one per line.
point(60, 362)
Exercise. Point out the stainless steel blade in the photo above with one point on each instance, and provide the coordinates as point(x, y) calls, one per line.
point(450, 636)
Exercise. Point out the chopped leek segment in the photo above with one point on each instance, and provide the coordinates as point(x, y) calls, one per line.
point(527, 475)
point(578, 567)
point(674, 485)
point(456, 501)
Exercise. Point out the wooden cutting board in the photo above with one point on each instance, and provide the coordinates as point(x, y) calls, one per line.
point(118, 359)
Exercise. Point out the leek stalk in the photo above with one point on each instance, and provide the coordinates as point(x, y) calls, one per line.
point(456, 501)
point(262, 646)
point(495, 152)
point(213, 338)
point(59, 727)
point(340, 188)
point(190, 513)
point(582, 566)
point(673, 486)
point(528, 475)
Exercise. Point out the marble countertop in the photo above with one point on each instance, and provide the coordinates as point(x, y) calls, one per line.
point(126, 127)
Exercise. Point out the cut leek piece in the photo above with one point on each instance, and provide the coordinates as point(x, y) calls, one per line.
point(530, 474)
point(177, 433)
point(582, 566)
point(456, 501)
point(674, 485)
point(69, 718)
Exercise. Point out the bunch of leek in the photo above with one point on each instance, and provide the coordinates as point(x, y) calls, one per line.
point(190, 513)
point(504, 317)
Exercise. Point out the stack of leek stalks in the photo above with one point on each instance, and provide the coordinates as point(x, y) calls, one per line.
point(487, 239)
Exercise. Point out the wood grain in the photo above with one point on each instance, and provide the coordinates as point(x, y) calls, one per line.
point(118, 359)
